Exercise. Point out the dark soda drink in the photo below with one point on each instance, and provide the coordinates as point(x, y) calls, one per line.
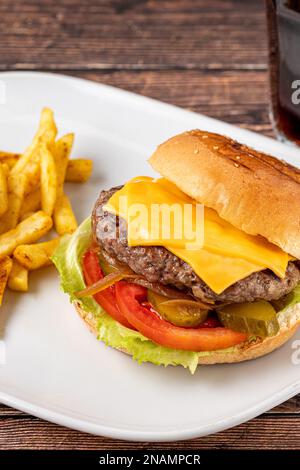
point(283, 17)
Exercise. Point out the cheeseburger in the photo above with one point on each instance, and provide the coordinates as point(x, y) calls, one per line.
point(199, 265)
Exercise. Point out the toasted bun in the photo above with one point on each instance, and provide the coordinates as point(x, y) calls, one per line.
point(243, 352)
point(257, 193)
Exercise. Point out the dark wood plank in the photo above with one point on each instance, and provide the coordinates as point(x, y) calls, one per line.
point(266, 432)
point(7, 411)
point(76, 35)
point(290, 406)
point(238, 97)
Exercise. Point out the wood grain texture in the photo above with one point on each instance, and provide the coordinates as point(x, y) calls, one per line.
point(238, 97)
point(128, 34)
point(209, 56)
point(265, 432)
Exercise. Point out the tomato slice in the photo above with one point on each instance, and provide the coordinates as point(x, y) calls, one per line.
point(107, 298)
point(132, 302)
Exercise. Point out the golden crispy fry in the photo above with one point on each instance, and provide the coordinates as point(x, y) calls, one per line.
point(48, 180)
point(64, 218)
point(25, 215)
point(4, 155)
point(36, 256)
point(79, 170)
point(16, 187)
point(62, 151)
point(30, 182)
point(46, 133)
point(10, 162)
point(9, 158)
point(28, 231)
point(32, 202)
point(18, 278)
point(32, 171)
point(6, 169)
point(5, 269)
point(3, 191)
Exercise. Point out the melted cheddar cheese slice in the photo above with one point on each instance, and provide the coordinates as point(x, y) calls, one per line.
point(159, 214)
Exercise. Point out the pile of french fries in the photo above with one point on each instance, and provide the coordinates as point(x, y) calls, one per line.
point(33, 200)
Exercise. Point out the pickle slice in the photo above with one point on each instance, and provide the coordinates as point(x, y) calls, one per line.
point(258, 318)
point(179, 312)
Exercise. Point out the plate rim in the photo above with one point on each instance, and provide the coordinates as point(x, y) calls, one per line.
point(138, 435)
point(115, 432)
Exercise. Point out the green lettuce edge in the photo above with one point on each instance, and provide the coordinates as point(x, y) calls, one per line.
point(67, 259)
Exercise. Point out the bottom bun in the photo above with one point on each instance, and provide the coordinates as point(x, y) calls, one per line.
point(242, 352)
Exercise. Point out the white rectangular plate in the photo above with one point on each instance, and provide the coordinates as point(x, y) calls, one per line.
point(54, 367)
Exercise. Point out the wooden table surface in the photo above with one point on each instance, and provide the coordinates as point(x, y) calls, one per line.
point(209, 56)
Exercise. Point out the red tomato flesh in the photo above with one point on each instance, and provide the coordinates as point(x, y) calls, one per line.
point(132, 302)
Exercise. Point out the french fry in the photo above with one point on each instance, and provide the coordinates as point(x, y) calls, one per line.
point(16, 187)
point(36, 256)
point(32, 202)
point(32, 171)
point(6, 169)
point(4, 155)
point(11, 161)
point(28, 231)
point(5, 269)
point(32, 199)
point(25, 215)
point(9, 158)
point(62, 151)
point(48, 180)
point(3, 191)
point(46, 133)
point(64, 218)
point(79, 170)
point(18, 277)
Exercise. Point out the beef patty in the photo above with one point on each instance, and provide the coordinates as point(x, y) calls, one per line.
point(158, 265)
